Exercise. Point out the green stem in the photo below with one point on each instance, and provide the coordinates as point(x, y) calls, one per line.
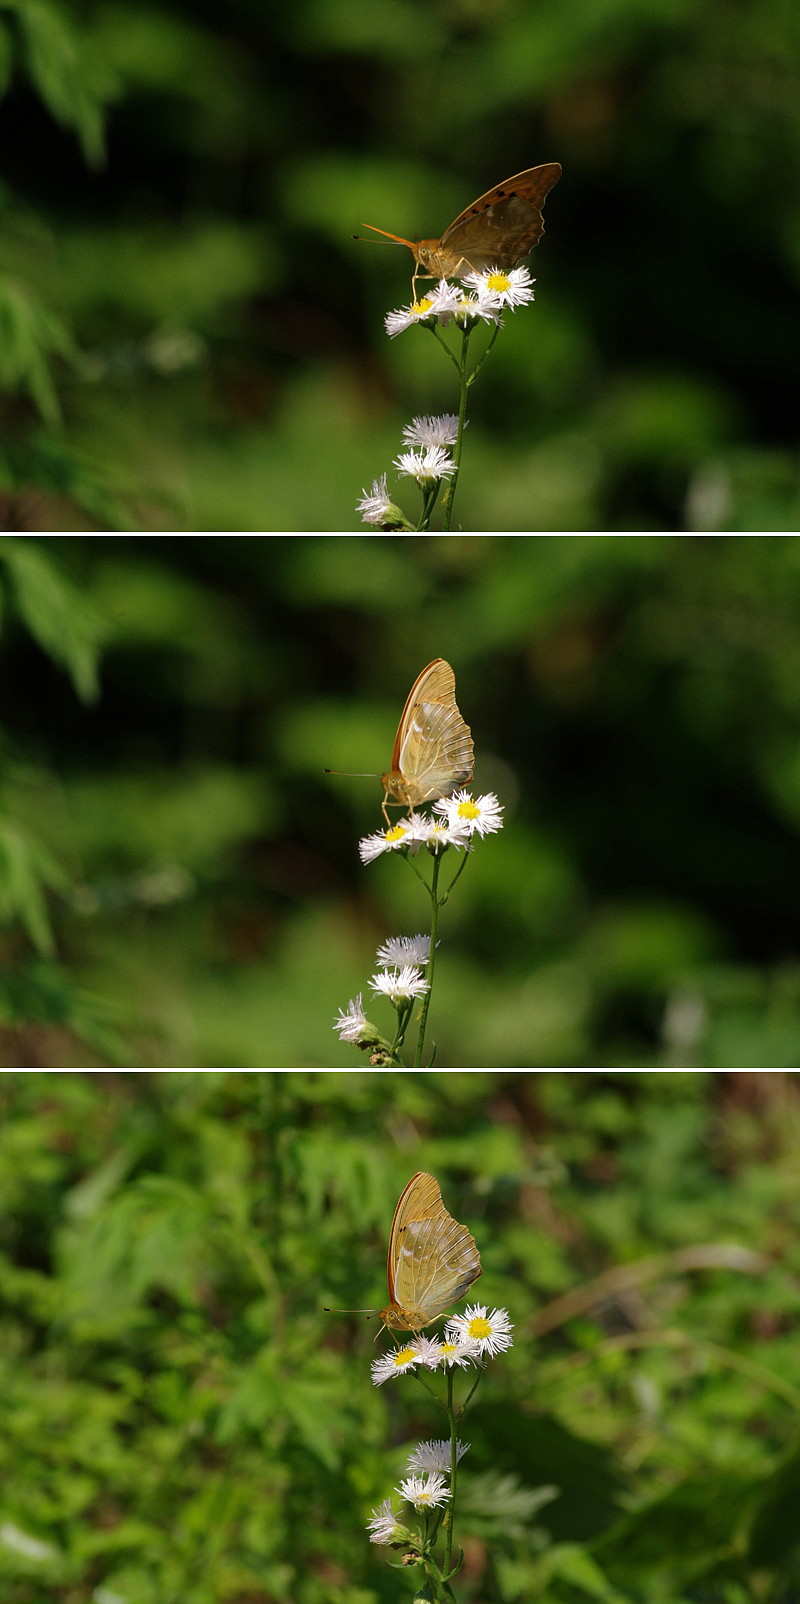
point(448, 1545)
point(431, 959)
point(464, 381)
point(459, 871)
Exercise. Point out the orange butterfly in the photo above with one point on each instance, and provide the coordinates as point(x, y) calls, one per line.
point(433, 752)
point(497, 230)
point(432, 1262)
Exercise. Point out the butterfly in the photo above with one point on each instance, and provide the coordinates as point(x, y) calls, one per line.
point(497, 230)
point(433, 751)
point(432, 1261)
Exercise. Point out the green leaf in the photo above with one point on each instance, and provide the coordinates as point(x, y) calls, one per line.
point(26, 870)
point(775, 1534)
point(30, 333)
point(57, 615)
point(72, 80)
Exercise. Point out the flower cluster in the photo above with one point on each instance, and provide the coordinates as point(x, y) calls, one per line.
point(467, 1339)
point(401, 960)
point(428, 463)
point(483, 299)
point(453, 821)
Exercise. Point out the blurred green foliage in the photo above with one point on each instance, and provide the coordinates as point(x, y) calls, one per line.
point(182, 1421)
point(179, 881)
point(186, 326)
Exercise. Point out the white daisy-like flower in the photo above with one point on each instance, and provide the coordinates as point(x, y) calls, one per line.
point(352, 1022)
point(435, 1455)
point(431, 462)
point(396, 322)
point(393, 1363)
point(477, 815)
point(425, 1492)
point(511, 288)
point(424, 830)
point(383, 1525)
point(429, 1351)
point(376, 507)
point(491, 1333)
point(404, 950)
point(444, 300)
point(371, 846)
point(401, 984)
point(442, 431)
point(462, 1354)
point(484, 306)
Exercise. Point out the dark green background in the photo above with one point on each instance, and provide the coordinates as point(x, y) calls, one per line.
point(180, 883)
point(183, 290)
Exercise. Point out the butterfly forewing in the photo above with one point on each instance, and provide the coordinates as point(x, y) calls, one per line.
point(502, 226)
point(432, 1259)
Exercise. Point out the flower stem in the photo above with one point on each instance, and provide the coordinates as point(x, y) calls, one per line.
point(432, 889)
point(463, 382)
point(448, 1543)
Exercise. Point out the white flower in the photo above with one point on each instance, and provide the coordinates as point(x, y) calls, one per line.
point(393, 1363)
point(424, 1492)
point(485, 306)
point(481, 814)
point(512, 288)
point(435, 1455)
point(441, 431)
point(448, 301)
point(429, 1352)
point(397, 321)
point(383, 1525)
point(432, 832)
point(490, 1333)
point(404, 950)
point(374, 504)
point(401, 985)
point(445, 300)
point(376, 507)
point(352, 1022)
point(462, 1354)
point(371, 846)
point(431, 462)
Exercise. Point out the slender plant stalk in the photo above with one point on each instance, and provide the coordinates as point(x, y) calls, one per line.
point(432, 890)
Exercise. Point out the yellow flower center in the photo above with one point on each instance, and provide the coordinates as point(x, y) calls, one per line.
point(468, 809)
point(499, 282)
point(395, 833)
point(403, 1355)
point(479, 1327)
point(422, 308)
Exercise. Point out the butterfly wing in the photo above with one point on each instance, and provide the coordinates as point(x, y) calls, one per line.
point(500, 228)
point(433, 1261)
point(433, 748)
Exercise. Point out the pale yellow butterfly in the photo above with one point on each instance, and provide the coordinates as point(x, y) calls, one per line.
point(432, 1260)
point(433, 752)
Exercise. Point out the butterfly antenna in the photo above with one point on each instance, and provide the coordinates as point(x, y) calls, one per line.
point(398, 238)
point(349, 774)
point(326, 1310)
